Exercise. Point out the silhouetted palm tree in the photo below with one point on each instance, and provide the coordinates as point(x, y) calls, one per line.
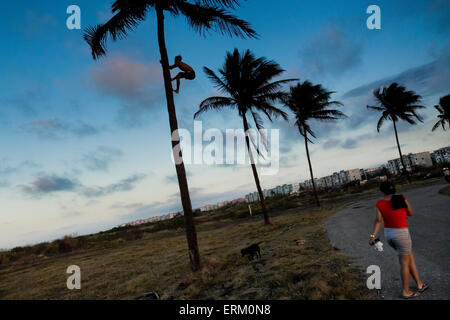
point(202, 16)
point(396, 103)
point(311, 102)
point(444, 112)
point(246, 83)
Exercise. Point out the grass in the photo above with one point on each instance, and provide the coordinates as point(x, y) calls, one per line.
point(445, 191)
point(124, 263)
point(297, 263)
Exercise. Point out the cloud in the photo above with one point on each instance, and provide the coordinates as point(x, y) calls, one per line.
point(174, 178)
point(127, 206)
point(26, 101)
point(7, 171)
point(101, 159)
point(57, 129)
point(428, 79)
point(331, 52)
point(395, 147)
point(353, 142)
point(132, 115)
point(49, 184)
point(331, 143)
point(350, 144)
point(128, 80)
point(138, 85)
point(127, 184)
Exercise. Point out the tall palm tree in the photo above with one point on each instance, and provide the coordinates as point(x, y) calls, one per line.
point(311, 102)
point(444, 112)
point(202, 16)
point(246, 84)
point(396, 103)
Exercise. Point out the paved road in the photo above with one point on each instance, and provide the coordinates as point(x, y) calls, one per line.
point(349, 230)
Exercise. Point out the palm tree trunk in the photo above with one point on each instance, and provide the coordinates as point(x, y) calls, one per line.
point(310, 169)
point(191, 233)
point(400, 150)
point(255, 175)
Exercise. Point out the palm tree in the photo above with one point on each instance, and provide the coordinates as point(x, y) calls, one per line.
point(202, 16)
point(246, 84)
point(396, 103)
point(444, 112)
point(311, 102)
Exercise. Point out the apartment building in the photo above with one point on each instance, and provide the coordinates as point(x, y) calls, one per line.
point(441, 156)
point(411, 161)
point(422, 159)
point(354, 175)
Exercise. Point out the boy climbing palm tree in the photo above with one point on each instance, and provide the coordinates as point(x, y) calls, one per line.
point(187, 72)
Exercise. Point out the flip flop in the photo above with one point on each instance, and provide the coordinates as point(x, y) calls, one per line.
point(414, 295)
point(424, 287)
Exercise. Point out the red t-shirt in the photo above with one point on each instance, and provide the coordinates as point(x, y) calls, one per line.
point(392, 218)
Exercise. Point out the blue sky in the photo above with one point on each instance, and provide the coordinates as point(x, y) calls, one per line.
point(85, 144)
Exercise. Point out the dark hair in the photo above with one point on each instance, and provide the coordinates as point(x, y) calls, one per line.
point(178, 58)
point(398, 201)
point(387, 188)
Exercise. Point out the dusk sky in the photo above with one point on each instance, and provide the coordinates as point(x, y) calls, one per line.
point(85, 145)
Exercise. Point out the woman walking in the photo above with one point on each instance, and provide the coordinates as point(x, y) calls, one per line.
point(393, 210)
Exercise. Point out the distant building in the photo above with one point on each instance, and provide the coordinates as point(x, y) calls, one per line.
point(411, 161)
point(422, 159)
point(284, 190)
point(343, 177)
point(367, 174)
point(252, 197)
point(329, 182)
point(153, 219)
point(335, 180)
point(354, 175)
point(441, 156)
point(237, 201)
point(223, 204)
point(296, 187)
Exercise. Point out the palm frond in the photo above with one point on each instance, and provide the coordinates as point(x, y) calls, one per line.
point(439, 109)
point(270, 110)
point(203, 18)
point(260, 126)
point(439, 123)
point(117, 28)
point(311, 102)
point(273, 87)
point(331, 113)
point(218, 83)
point(380, 123)
point(397, 103)
point(222, 3)
point(214, 103)
point(247, 81)
point(304, 129)
point(375, 108)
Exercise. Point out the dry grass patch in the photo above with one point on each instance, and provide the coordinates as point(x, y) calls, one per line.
point(297, 263)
